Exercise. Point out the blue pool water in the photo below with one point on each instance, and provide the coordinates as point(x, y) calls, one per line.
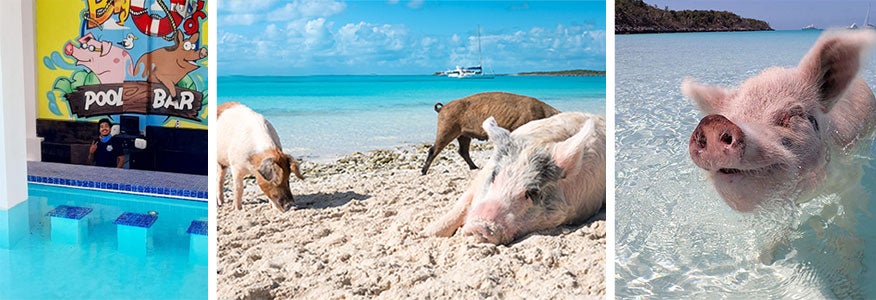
point(322, 117)
point(36, 267)
point(675, 238)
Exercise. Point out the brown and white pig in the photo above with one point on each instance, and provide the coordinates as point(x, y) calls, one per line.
point(779, 134)
point(249, 145)
point(546, 173)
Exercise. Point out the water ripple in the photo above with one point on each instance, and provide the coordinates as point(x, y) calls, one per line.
point(675, 238)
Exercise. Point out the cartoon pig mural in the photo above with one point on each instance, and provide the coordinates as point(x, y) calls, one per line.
point(101, 57)
point(787, 133)
point(170, 64)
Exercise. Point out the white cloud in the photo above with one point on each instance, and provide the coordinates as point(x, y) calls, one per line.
point(243, 6)
point(307, 9)
point(415, 4)
point(239, 19)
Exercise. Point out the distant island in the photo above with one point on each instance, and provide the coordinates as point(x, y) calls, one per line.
point(636, 16)
point(576, 72)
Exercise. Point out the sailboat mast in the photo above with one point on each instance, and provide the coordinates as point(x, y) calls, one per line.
point(480, 59)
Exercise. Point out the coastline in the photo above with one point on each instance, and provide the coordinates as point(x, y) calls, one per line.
point(355, 232)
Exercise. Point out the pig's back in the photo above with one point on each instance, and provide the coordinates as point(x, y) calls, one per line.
point(242, 132)
point(559, 128)
point(510, 110)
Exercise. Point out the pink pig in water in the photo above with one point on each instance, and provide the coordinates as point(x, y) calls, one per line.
point(787, 133)
point(101, 57)
point(546, 173)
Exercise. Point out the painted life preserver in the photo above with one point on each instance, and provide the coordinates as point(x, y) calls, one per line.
point(156, 26)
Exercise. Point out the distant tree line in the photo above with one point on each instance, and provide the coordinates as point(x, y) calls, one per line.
point(636, 16)
point(565, 73)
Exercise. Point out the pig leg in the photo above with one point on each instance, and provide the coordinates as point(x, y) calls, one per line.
point(237, 181)
point(453, 219)
point(221, 179)
point(171, 87)
point(442, 139)
point(464, 143)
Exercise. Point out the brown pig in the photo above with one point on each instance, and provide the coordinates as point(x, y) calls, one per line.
point(170, 64)
point(461, 119)
point(546, 173)
point(783, 133)
point(249, 145)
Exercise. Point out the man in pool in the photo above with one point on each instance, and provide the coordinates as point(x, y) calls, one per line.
point(106, 151)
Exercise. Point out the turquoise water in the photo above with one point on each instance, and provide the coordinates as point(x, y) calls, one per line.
point(37, 268)
point(322, 117)
point(675, 238)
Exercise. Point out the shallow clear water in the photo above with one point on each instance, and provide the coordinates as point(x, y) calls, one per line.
point(675, 237)
point(322, 117)
point(37, 268)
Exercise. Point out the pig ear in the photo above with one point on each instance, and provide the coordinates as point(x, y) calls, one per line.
point(568, 153)
point(293, 166)
point(177, 40)
point(194, 37)
point(501, 137)
point(710, 99)
point(833, 62)
point(105, 48)
point(268, 170)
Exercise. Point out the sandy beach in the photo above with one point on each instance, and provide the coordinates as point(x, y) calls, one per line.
point(355, 233)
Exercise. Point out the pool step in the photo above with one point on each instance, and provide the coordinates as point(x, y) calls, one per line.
point(69, 224)
point(198, 242)
point(134, 232)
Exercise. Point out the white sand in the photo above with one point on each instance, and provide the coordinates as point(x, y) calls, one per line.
point(356, 234)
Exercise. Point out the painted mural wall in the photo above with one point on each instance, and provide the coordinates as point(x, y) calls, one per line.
point(107, 58)
point(140, 63)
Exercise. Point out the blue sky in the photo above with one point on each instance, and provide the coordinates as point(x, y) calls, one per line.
point(317, 37)
point(784, 14)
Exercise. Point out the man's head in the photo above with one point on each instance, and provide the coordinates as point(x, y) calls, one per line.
point(105, 126)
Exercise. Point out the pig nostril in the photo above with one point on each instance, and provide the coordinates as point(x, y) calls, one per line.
point(700, 139)
point(726, 138)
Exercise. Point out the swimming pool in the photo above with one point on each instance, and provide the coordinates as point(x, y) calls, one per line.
point(38, 267)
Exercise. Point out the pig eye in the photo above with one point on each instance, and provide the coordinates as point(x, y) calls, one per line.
point(188, 46)
point(83, 46)
point(786, 119)
point(814, 122)
point(91, 48)
point(532, 193)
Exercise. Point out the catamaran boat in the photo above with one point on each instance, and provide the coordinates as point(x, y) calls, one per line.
point(476, 72)
point(461, 72)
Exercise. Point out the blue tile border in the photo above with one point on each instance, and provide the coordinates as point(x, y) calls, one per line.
point(198, 227)
point(136, 220)
point(69, 212)
point(128, 188)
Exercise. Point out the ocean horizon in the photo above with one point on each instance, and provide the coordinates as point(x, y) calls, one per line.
point(322, 117)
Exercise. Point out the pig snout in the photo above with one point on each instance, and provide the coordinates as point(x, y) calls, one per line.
point(202, 53)
point(485, 232)
point(717, 143)
point(68, 49)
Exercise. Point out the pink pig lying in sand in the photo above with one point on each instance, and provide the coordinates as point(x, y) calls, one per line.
point(248, 144)
point(546, 173)
point(785, 133)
